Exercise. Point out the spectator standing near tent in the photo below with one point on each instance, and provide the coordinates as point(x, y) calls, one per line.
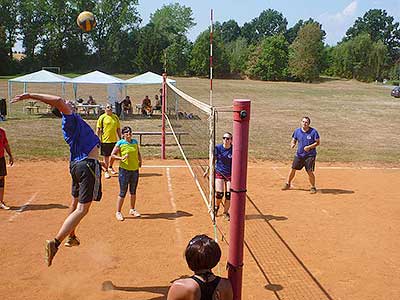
point(3, 169)
point(109, 132)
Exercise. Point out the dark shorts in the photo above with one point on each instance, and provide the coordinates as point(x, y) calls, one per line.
point(3, 168)
point(221, 176)
point(307, 162)
point(127, 178)
point(86, 180)
point(106, 148)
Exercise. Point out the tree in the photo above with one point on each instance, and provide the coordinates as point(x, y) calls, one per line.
point(305, 59)
point(173, 20)
point(271, 59)
point(230, 31)
point(269, 22)
point(379, 26)
point(238, 53)
point(360, 58)
point(150, 54)
point(114, 19)
point(8, 20)
point(178, 56)
point(200, 62)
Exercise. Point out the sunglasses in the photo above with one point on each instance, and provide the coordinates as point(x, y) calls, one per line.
point(226, 138)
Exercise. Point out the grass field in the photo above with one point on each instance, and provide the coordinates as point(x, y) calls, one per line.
point(357, 122)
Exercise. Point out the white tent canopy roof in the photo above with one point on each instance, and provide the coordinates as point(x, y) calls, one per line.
point(42, 76)
point(97, 77)
point(148, 78)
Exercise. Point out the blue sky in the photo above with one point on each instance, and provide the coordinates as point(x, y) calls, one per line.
point(336, 16)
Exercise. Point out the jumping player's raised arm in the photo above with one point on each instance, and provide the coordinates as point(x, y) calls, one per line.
point(54, 101)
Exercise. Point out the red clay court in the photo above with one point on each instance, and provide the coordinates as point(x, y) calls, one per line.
point(338, 244)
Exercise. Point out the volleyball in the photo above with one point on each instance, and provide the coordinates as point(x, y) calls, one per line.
point(86, 21)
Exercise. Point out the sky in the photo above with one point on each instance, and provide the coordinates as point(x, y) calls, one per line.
point(336, 16)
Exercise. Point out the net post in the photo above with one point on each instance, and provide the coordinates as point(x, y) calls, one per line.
point(241, 118)
point(163, 103)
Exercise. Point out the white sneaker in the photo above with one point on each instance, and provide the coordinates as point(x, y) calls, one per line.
point(4, 206)
point(107, 175)
point(111, 170)
point(119, 216)
point(134, 212)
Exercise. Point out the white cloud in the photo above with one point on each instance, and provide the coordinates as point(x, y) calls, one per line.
point(336, 24)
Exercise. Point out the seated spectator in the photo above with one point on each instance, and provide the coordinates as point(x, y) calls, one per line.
point(127, 105)
point(157, 103)
point(202, 254)
point(147, 109)
point(91, 101)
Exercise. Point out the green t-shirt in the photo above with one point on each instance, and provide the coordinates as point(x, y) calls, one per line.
point(132, 149)
point(108, 125)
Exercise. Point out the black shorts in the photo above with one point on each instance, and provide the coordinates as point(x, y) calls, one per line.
point(86, 180)
point(106, 148)
point(3, 168)
point(307, 162)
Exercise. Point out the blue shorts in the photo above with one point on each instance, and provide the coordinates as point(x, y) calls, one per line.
point(125, 178)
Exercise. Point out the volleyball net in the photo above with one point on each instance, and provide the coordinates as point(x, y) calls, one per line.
point(192, 124)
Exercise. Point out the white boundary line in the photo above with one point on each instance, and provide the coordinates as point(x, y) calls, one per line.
point(173, 205)
point(22, 208)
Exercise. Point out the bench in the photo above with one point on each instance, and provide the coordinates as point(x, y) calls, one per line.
point(154, 133)
point(31, 109)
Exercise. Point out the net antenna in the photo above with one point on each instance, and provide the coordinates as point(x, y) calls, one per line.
point(212, 126)
point(56, 70)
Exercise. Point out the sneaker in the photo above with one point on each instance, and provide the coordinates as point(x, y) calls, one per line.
point(134, 212)
point(111, 170)
point(286, 186)
point(313, 190)
point(4, 206)
point(72, 241)
point(51, 251)
point(227, 216)
point(119, 216)
point(107, 175)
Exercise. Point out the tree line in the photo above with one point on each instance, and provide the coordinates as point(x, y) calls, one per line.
point(263, 48)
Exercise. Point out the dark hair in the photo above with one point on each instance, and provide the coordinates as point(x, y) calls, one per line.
point(126, 129)
point(56, 112)
point(202, 253)
point(308, 119)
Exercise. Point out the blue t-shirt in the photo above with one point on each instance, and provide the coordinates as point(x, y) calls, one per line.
point(79, 136)
point(223, 160)
point(304, 139)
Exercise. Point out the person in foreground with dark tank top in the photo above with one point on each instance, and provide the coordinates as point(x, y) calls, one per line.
point(85, 168)
point(202, 255)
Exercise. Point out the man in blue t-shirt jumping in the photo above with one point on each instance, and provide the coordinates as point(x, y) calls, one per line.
point(308, 140)
point(85, 168)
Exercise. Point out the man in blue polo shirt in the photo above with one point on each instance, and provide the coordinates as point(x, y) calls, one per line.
point(308, 140)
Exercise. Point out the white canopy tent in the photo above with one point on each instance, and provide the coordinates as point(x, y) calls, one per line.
point(96, 77)
point(42, 76)
point(148, 78)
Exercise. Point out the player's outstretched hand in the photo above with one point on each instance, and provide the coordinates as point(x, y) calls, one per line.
point(20, 97)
